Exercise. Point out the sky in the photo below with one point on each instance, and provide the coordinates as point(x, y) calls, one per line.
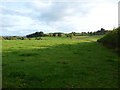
point(23, 17)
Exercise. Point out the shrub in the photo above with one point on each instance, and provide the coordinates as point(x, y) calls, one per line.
point(1, 38)
point(111, 39)
point(38, 38)
point(10, 38)
point(69, 35)
point(14, 38)
point(24, 38)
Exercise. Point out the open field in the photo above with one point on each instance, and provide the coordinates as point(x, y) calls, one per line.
point(56, 62)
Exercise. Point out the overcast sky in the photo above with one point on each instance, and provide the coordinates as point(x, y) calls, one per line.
point(21, 17)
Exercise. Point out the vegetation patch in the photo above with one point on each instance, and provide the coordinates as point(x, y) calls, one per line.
point(22, 60)
point(4, 64)
point(17, 74)
point(28, 54)
point(112, 39)
point(62, 62)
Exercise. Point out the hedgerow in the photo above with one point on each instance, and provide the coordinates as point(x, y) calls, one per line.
point(111, 39)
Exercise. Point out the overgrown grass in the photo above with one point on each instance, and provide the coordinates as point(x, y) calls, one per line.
point(59, 63)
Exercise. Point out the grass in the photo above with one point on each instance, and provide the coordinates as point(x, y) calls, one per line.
point(80, 62)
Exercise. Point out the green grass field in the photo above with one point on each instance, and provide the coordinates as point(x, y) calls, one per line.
point(56, 62)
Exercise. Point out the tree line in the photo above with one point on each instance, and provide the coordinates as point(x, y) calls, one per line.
point(38, 35)
point(59, 34)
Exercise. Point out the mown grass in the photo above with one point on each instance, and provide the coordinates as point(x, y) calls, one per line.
point(59, 63)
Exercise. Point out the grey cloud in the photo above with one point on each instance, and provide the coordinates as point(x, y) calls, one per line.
point(6, 11)
point(6, 26)
point(58, 11)
point(46, 16)
point(55, 12)
point(7, 21)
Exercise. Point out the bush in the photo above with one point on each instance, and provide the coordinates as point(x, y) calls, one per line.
point(1, 38)
point(111, 39)
point(24, 38)
point(38, 38)
point(10, 38)
point(69, 35)
point(15, 38)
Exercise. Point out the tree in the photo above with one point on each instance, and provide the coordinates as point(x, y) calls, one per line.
point(71, 36)
point(41, 34)
point(59, 34)
point(91, 33)
point(36, 34)
point(73, 33)
point(54, 34)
